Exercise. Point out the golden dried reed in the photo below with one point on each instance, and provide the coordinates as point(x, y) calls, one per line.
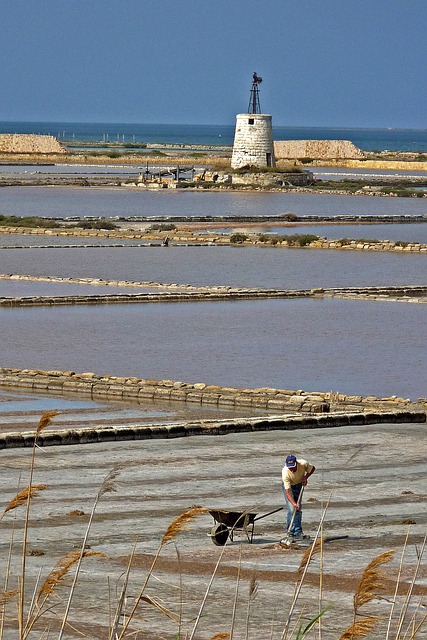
point(170, 614)
point(108, 485)
point(221, 636)
point(360, 628)
point(253, 586)
point(61, 569)
point(4, 597)
point(22, 496)
point(182, 522)
point(45, 420)
point(372, 580)
point(312, 550)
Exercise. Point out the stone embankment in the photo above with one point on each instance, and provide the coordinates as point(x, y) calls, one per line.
point(191, 293)
point(93, 435)
point(19, 143)
point(317, 149)
point(340, 409)
point(194, 238)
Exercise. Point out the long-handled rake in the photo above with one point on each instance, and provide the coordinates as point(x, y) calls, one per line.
point(288, 541)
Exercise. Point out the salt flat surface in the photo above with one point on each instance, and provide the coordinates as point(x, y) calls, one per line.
point(374, 477)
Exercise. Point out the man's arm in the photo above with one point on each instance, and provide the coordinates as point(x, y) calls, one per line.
point(307, 475)
point(290, 497)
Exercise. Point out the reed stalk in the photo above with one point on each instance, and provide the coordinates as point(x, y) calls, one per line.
point(6, 579)
point(410, 590)
point(106, 487)
point(178, 525)
point(393, 605)
point(121, 600)
point(44, 421)
point(370, 583)
point(236, 594)
point(208, 588)
point(253, 590)
point(299, 583)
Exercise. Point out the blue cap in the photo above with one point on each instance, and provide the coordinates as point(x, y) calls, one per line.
point(291, 462)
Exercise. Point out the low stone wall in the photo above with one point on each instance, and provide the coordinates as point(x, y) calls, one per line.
point(28, 144)
point(189, 293)
point(90, 435)
point(132, 388)
point(316, 149)
point(272, 179)
point(366, 245)
point(190, 238)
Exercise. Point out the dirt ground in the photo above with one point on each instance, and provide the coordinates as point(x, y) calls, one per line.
point(373, 478)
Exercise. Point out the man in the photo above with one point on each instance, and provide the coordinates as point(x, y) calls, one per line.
point(295, 474)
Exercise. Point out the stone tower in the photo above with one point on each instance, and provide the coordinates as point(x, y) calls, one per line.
point(253, 137)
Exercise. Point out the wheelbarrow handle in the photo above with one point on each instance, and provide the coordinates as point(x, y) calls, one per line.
point(268, 514)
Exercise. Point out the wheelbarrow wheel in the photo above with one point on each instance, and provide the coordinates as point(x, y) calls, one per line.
point(219, 534)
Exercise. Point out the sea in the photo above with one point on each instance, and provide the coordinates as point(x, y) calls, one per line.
point(205, 134)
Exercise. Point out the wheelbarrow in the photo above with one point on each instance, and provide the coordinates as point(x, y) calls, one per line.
point(227, 522)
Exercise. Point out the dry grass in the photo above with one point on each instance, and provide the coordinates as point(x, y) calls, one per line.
point(4, 597)
point(61, 570)
point(182, 522)
point(313, 550)
point(22, 497)
point(45, 420)
point(372, 580)
point(360, 628)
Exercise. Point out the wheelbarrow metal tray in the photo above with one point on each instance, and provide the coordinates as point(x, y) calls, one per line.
point(233, 519)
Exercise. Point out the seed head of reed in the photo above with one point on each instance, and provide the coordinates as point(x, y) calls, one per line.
point(60, 571)
point(221, 636)
point(312, 550)
point(22, 496)
point(360, 628)
point(253, 586)
point(45, 420)
point(4, 597)
point(372, 580)
point(182, 522)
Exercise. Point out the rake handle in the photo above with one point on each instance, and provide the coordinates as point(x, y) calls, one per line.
point(295, 510)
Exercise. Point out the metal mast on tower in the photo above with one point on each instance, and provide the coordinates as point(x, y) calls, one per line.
point(254, 106)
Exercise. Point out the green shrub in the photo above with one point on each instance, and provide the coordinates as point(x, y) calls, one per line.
point(360, 240)
point(305, 160)
point(28, 221)
point(296, 240)
point(299, 239)
point(161, 227)
point(399, 191)
point(96, 224)
point(238, 238)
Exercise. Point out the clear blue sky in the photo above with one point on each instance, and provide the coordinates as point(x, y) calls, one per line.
point(343, 63)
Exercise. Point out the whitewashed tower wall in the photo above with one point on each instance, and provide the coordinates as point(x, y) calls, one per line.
point(253, 141)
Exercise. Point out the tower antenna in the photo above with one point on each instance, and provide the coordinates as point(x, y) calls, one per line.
point(254, 106)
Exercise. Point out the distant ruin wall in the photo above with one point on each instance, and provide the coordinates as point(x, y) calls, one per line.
point(23, 143)
point(316, 149)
